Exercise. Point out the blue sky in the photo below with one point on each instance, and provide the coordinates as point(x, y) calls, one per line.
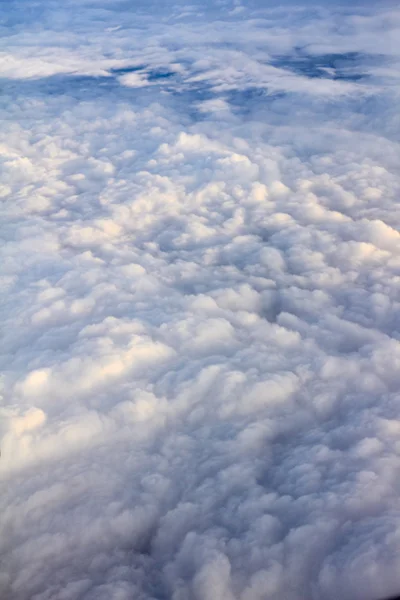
point(199, 300)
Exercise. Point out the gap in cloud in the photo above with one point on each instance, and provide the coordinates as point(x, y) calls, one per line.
point(129, 69)
point(158, 75)
point(251, 99)
point(345, 66)
point(84, 87)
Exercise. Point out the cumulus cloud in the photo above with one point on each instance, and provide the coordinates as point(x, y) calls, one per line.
point(200, 301)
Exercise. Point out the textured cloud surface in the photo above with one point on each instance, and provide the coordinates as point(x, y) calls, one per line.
point(200, 301)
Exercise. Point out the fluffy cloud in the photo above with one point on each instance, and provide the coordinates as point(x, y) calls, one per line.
point(200, 302)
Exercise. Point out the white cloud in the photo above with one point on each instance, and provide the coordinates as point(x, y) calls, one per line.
point(134, 80)
point(200, 297)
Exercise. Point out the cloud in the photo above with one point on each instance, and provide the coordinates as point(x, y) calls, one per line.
point(199, 275)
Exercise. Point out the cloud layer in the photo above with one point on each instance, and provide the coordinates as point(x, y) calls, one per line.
point(200, 276)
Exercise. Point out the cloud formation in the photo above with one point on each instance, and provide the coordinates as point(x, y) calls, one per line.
point(200, 302)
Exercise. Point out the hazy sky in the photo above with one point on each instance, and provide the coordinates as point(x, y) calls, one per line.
point(200, 314)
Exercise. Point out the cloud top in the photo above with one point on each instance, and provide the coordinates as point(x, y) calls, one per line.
point(200, 296)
